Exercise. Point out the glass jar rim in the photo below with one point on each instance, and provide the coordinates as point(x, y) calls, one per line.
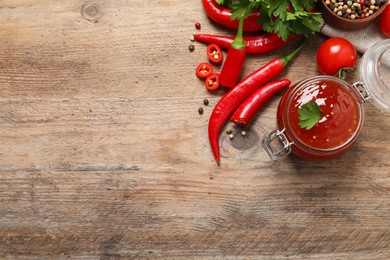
point(296, 140)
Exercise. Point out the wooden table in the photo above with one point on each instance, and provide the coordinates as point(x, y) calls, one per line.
point(103, 154)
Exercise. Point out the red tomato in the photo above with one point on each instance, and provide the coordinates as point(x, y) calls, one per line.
point(336, 55)
point(384, 21)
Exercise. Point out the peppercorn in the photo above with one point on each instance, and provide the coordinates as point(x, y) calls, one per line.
point(206, 102)
point(197, 25)
point(200, 111)
point(191, 47)
point(354, 9)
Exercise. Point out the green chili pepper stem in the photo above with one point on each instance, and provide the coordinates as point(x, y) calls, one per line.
point(238, 42)
point(286, 59)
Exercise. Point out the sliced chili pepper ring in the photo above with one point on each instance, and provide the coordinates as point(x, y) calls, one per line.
point(214, 53)
point(204, 70)
point(212, 81)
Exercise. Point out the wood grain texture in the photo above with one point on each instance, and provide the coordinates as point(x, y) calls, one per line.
point(103, 154)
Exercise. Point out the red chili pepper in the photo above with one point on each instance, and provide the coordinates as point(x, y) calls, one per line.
point(258, 44)
point(204, 70)
point(222, 15)
point(231, 69)
point(214, 53)
point(234, 97)
point(248, 109)
point(235, 58)
point(212, 82)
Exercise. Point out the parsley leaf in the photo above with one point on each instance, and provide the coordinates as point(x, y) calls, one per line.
point(283, 17)
point(241, 9)
point(309, 115)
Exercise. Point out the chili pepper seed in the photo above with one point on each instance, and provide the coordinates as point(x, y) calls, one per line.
point(191, 47)
point(215, 55)
point(231, 136)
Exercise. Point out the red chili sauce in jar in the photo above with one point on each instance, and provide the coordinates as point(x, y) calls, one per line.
point(340, 123)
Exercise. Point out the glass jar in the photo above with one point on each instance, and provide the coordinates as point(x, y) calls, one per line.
point(342, 113)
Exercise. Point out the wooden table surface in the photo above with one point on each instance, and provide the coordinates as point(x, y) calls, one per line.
point(103, 154)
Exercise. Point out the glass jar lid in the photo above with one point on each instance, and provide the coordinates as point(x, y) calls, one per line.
point(374, 73)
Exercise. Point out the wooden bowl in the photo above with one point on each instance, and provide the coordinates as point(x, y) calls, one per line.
point(346, 24)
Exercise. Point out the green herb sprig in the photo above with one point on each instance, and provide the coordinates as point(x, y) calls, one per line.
point(309, 115)
point(283, 17)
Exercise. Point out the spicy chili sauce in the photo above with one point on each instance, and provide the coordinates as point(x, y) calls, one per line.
point(340, 115)
point(340, 123)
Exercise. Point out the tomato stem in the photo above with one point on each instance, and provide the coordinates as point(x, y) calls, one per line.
point(342, 73)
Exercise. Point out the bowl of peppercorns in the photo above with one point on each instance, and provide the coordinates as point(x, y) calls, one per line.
point(350, 15)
